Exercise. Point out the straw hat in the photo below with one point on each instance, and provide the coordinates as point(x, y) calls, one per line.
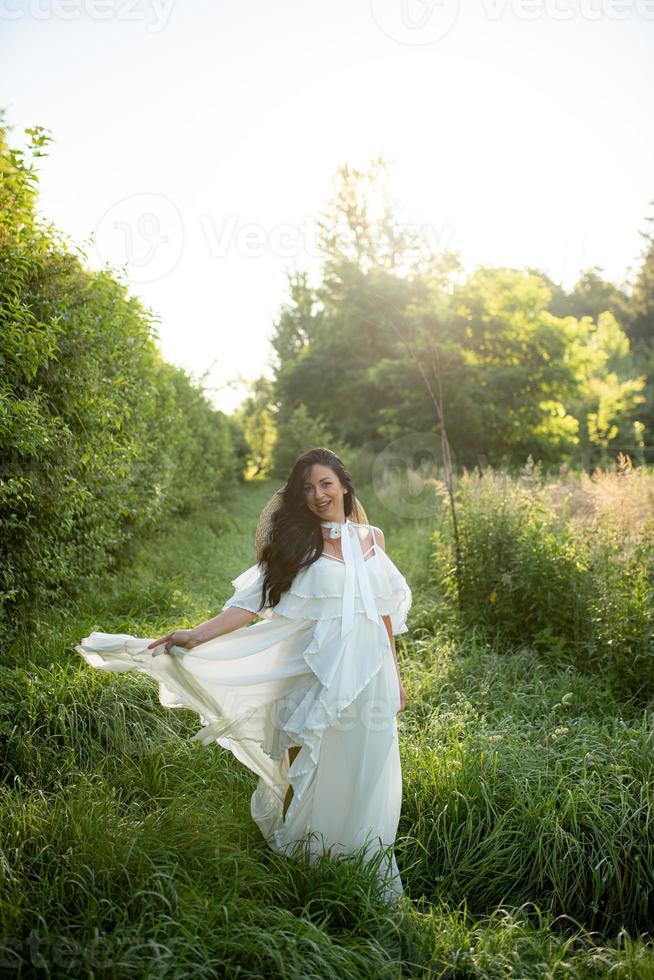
point(264, 525)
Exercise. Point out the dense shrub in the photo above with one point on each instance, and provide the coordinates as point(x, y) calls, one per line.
point(573, 583)
point(99, 436)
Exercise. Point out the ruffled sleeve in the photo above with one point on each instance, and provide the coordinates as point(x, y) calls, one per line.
point(248, 588)
point(393, 596)
point(316, 592)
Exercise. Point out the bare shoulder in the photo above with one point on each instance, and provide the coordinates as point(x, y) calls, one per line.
point(379, 536)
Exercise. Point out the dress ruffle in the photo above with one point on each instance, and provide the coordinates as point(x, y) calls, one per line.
point(316, 592)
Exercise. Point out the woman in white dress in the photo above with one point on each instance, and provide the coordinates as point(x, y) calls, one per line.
point(307, 696)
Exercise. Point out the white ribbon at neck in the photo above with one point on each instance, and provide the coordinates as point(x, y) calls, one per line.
point(355, 569)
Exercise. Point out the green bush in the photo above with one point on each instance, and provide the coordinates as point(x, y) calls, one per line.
point(100, 437)
point(578, 591)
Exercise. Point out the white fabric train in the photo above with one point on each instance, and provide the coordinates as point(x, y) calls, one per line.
point(317, 672)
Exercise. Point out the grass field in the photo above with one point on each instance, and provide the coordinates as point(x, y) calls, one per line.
point(526, 842)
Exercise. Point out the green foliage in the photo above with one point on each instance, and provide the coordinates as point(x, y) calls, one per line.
point(131, 851)
point(520, 373)
point(591, 296)
point(255, 414)
point(576, 591)
point(526, 786)
point(100, 437)
point(641, 310)
point(608, 391)
point(300, 433)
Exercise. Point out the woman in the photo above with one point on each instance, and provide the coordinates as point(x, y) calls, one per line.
point(307, 696)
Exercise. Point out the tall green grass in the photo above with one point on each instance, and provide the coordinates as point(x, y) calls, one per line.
point(524, 784)
point(129, 851)
point(562, 567)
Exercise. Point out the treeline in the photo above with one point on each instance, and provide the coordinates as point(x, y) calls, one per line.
point(522, 367)
point(99, 436)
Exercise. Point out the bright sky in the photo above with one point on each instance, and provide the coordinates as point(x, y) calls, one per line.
point(195, 142)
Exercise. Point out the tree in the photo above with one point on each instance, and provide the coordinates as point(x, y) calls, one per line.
point(593, 295)
point(301, 432)
point(257, 418)
point(361, 225)
point(641, 325)
point(330, 339)
point(609, 393)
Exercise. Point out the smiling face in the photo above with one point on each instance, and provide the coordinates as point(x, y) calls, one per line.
point(324, 493)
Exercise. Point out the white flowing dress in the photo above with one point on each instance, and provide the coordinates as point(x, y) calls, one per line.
point(315, 671)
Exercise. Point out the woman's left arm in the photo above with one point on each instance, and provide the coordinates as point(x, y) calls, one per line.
point(379, 539)
point(389, 628)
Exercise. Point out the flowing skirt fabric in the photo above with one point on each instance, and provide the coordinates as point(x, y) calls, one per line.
point(284, 682)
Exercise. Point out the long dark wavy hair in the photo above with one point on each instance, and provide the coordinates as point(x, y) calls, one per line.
point(295, 540)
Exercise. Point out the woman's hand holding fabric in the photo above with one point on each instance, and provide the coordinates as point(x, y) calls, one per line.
point(178, 638)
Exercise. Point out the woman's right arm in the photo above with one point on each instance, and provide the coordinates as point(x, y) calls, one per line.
point(229, 619)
